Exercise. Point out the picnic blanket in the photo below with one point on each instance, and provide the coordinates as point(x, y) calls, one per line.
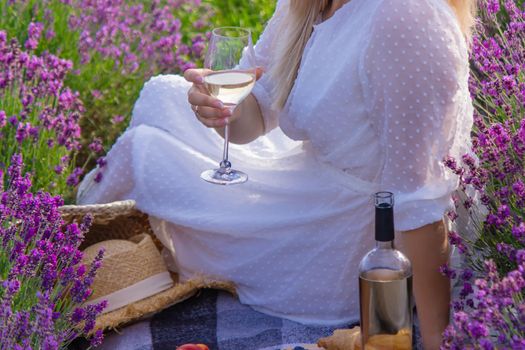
point(219, 320)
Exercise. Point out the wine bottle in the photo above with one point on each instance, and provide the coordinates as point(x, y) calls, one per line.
point(385, 286)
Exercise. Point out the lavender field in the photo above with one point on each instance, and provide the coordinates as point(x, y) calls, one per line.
point(70, 71)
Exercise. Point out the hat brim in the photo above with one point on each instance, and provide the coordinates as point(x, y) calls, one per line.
point(158, 302)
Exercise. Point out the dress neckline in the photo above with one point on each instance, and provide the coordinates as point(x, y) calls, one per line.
point(319, 22)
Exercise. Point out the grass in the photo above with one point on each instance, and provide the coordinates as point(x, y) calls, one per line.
point(251, 14)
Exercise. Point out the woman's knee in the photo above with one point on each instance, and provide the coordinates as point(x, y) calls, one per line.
point(161, 102)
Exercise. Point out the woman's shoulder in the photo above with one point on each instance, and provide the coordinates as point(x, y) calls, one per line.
point(416, 23)
point(414, 14)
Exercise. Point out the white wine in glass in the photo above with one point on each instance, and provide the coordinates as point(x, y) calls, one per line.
point(231, 61)
point(231, 87)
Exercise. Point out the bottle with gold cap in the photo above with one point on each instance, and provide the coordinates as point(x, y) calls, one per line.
point(385, 286)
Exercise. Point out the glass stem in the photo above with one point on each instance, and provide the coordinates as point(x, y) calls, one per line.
point(225, 164)
point(226, 144)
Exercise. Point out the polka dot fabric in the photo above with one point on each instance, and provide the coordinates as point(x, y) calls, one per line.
point(413, 73)
point(380, 98)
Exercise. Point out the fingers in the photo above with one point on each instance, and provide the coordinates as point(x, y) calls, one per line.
point(209, 110)
point(212, 113)
point(204, 118)
point(197, 98)
point(195, 76)
point(258, 72)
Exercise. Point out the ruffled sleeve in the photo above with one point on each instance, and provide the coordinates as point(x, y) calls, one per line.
point(414, 74)
point(264, 49)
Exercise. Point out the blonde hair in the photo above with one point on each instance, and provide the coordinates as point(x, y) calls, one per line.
point(299, 27)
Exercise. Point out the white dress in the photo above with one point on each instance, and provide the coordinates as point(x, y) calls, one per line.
point(380, 99)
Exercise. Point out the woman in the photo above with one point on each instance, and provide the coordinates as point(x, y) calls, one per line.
point(375, 95)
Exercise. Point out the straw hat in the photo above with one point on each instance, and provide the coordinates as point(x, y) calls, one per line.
point(135, 281)
point(133, 277)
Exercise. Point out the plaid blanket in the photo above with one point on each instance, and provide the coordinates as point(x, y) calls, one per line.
point(218, 320)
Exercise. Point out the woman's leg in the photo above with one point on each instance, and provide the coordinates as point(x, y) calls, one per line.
point(427, 248)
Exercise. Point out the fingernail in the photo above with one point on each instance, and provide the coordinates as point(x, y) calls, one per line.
point(200, 80)
point(227, 112)
point(218, 104)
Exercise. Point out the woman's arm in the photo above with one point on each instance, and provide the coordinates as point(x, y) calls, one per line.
point(427, 248)
point(414, 74)
point(255, 115)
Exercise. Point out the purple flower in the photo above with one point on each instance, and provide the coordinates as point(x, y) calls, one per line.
point(98, 177)
point(519, 230)
point(519, 188)
point(96, 146)
point(456, 240)
point(489, 312)
point(3, 119)
point(44, 315)
point(466, 290)
point(478, 329)
point(507, 249)
point(504, 211)
point(101, 162)
point(447, 271)
point(97, 95)
point(74, 178)
point(22, 325)
point(520, 257)
point(11, 287)
point(50, 343)
point(492, 6)
point(486, 344)
point(43, 260)
point(78, 315)
point(452, 215)
point(118, 119)
point(34, 32)
point(97, 338)
point(80, 291)
point(467, 274)
point(33, 83)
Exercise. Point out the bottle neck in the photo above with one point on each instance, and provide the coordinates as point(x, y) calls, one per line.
point(385, 245)
point(384, 227)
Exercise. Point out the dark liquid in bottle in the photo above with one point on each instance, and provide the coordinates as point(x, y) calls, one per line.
point(386, 310)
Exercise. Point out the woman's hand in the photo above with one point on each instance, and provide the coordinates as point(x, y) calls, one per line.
point(208, 109)
point(247, 116)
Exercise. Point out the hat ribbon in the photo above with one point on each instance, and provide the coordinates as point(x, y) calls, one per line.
point(138, 291)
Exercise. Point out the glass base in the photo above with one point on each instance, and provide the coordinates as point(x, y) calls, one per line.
point(222, 177)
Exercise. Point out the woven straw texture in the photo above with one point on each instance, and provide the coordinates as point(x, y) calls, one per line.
point(130, 262)
point(121, 220)
point(116, 220)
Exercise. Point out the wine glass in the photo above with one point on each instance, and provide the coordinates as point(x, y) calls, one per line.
point(231, 60)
